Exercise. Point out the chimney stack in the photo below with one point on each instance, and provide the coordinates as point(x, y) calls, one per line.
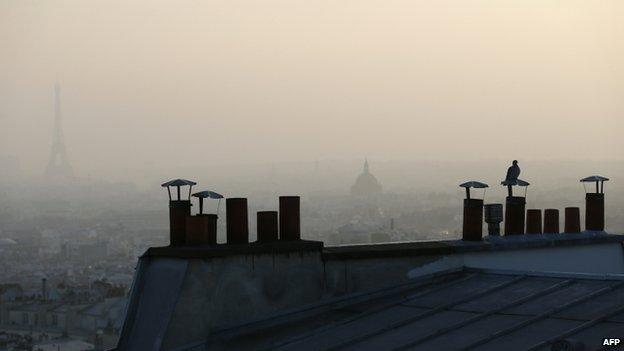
point(289, 218)
point(594, 204)
point(201, 229)
point(514, 215)
point(572, 220)
point(473, 213)
point(237, 221)
point(267, 226)
point(534, 221)
point(178, 211)
point(551, 221)
point(515, 208)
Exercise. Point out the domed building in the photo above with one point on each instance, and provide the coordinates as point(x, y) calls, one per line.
point(366, 183)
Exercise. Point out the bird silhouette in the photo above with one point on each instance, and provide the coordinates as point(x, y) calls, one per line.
point(513, 173)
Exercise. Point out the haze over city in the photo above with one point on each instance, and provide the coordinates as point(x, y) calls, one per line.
point(145, 85)
point(374, 112)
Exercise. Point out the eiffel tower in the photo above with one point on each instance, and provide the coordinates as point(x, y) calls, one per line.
point(58, 166)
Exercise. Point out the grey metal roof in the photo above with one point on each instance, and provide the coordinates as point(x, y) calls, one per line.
point(454, 310)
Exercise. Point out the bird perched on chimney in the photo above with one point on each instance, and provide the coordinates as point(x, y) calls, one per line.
point(513, 173)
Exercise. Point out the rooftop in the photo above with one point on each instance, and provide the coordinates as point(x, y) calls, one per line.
point(460, 309)
point(417, 248)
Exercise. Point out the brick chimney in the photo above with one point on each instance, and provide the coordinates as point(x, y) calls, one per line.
point(594, 203)
point(237, 221)
point(534, 221)
point(289, 218)
point(473, 212)
point(201, 229)
point(179, 209)
point(515, 209)
point(572, 220)
point(551, 221)
point(267, 226)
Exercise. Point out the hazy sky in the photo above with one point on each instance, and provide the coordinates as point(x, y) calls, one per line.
point(177, 82)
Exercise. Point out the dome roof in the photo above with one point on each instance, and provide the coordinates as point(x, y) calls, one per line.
point(366, 183)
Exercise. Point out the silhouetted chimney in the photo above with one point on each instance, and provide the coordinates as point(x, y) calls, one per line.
point(515, 209)
point(178, 211)
point(551, 221)
point(237, 221)
point(514, 215)
point(473, 213)
point(534, 221)
point(594, 204)
point(267, 226)
point(289, 218)
point(201, 229)
point(572, 220)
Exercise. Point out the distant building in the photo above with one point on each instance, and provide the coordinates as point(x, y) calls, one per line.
point(366, 183)
point(108, 313)
point(84, 319)
point(10, 292)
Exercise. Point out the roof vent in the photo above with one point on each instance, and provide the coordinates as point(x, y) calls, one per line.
point(493, 217)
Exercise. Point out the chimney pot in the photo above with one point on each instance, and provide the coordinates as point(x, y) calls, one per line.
point(572, 220)
point(201, 229)
point(594, 203)
point(472, 229)
point(289, 218)
point(534, 221)
point(178, 211)
point(594, 211)
point(237, 221)
point(514, 215)
point(551, 221)
point(267, 226)
point(473, 220)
